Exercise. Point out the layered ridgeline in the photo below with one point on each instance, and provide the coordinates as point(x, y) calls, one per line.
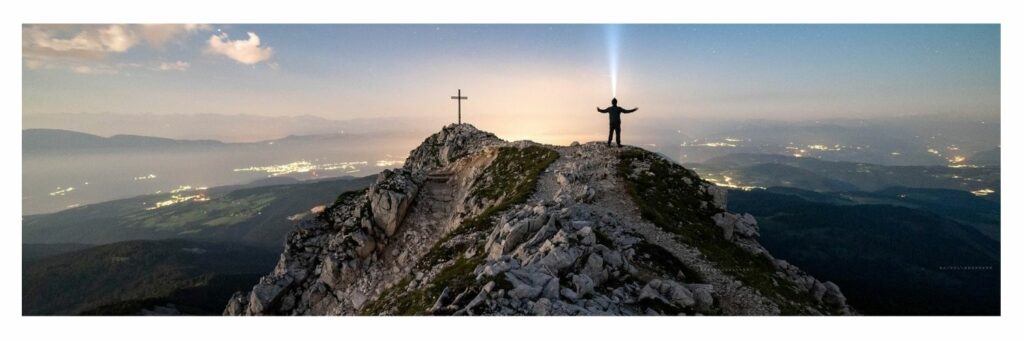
point(473, 225)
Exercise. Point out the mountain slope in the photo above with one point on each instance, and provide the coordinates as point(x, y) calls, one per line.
point(473, 225)
point(924, 263)
point(252, 215)
point(74, 282)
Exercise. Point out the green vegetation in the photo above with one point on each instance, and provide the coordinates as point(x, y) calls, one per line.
point(669, 196)
point(657, 260)
point(207, 298)
point(909, 254)
point(75, 282)
point(513, 174)
point(509, 180)
point(258, 216)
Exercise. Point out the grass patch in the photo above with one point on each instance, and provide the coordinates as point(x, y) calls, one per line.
point(397, 300)
point(669, 196)
point(658, 260)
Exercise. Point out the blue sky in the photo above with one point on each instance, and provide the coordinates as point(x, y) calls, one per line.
point(514, 73)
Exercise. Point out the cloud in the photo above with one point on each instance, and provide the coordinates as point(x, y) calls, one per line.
point(93, 70)
point(246, 52)
point(157, 35)
point(117, 38)
point(92, 41)
point(176, 66)
point(85, 49)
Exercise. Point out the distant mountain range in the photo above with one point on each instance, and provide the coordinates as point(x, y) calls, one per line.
point(44, 141)
point(228, 128)
point(55, 140)
point(255, 214)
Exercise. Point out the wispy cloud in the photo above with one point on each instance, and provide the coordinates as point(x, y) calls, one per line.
point(246, 51)
point(83, 48)
point(94, 70)
point(176, 66)
point(157, 35)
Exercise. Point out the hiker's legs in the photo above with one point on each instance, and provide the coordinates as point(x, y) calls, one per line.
point(618, 136)
point(611, 130)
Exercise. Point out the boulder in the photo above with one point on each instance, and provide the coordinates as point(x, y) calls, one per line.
point(833, 296)
point(267, 293)
point(364, 244)
point(527, 284)
point(668, 292)
point(718, 196)
point(237, 304)
point(702, 296)
point(727, 222)
point(746, 226)
point(583, 285)
point(390, 197)
point(594, 268)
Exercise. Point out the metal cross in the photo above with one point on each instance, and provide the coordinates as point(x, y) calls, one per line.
point(460, 98)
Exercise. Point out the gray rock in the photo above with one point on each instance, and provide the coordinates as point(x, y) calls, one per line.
point(551, 289)
point(358, 299)
point(390, 197)
point(559, 258)
point(727, 222)
point(442, 300)
point(330, 273)
point(526, 284)
point(364, 244)
point(267, 293)
point(542, 307)
point(702, 295)
point(718, 196)
point(583, 284)
point(669, 292)
point(833, 296)
point(594, 268)
point(237, 304)
point(746, 226)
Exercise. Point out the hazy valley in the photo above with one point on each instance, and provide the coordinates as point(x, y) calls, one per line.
point(815, 208)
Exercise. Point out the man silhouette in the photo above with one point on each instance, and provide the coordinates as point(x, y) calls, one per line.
point(614, 124)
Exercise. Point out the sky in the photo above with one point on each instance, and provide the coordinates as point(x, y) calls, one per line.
point(520, 79)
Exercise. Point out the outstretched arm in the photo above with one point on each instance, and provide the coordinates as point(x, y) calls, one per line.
point(626, 111)
point(601, 110)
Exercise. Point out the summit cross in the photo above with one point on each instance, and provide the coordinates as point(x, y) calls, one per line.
point(459, 97)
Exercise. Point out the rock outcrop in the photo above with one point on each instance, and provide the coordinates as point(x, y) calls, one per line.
point(473, 225)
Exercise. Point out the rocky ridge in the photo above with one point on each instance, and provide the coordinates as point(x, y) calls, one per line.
point(473, 225)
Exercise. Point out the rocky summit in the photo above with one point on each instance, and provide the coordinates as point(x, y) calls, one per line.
point(474, 225)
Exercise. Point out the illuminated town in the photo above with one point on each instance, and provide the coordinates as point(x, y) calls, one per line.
point(184, 193)
point(61, 191)
point(983, 192)
point(389, 163)
point(304, 167)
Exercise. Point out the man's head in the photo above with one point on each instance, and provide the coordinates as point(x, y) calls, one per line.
point(615, 101)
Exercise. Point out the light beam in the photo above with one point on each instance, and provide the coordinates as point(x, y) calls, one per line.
point(612, 39)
